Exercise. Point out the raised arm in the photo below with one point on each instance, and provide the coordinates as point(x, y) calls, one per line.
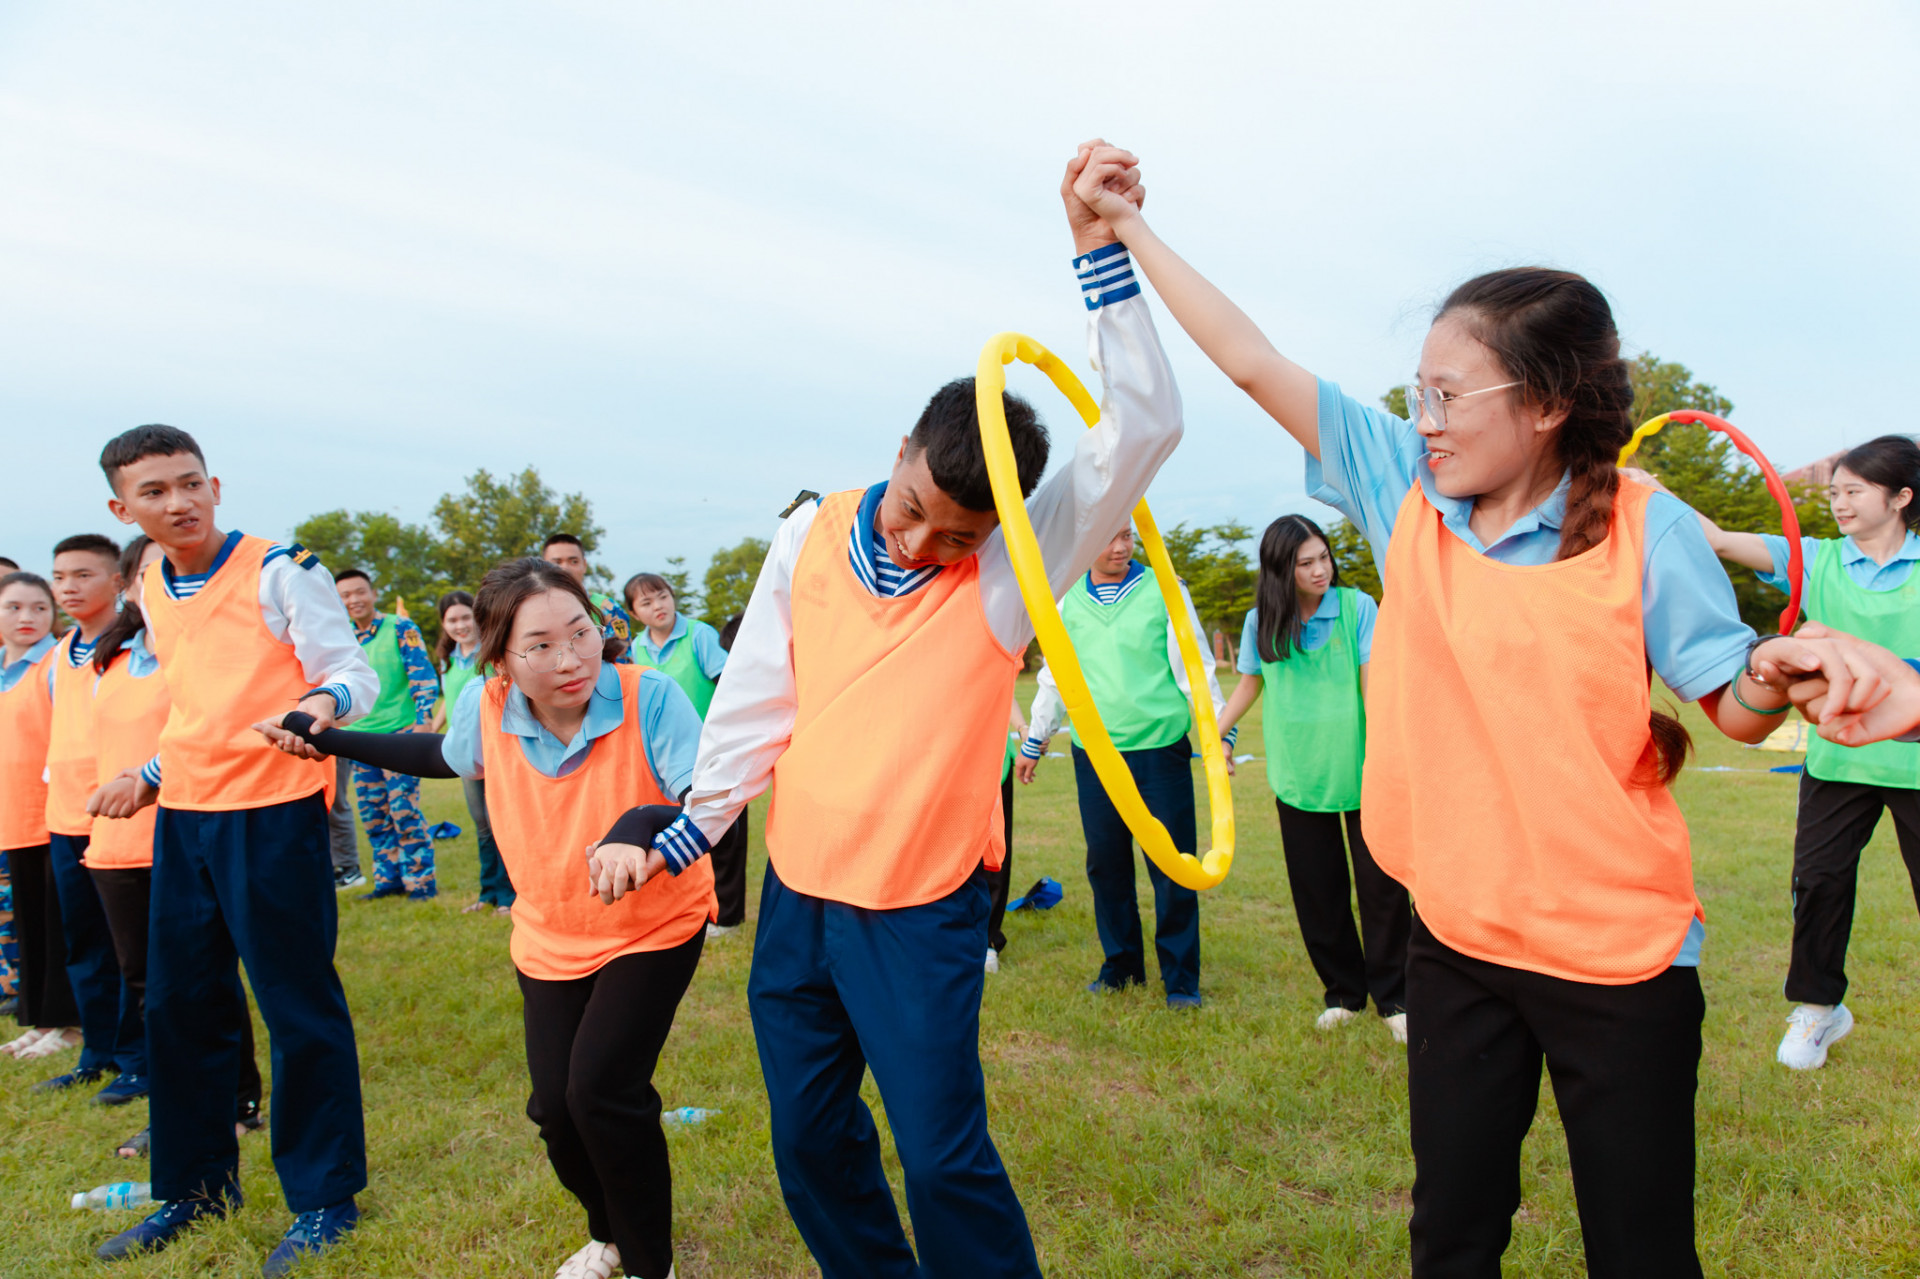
point(1289, 393)
point(1749, 550)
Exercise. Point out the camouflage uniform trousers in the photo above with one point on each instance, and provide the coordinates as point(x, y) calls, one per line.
point(396, 832)
point(9, 948)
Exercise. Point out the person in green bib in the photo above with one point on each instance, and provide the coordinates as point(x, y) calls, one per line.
point(1307, 641)
point(692, 654)
point(454, 655)
point(1861, 583)
point(1118, 620)
point(409, 689)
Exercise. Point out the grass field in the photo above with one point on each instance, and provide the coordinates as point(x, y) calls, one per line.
point(1235, 1141)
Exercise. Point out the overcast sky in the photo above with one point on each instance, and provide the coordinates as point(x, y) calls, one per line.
point(691, 258)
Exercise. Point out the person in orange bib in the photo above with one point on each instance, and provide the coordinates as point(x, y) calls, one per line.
point(578, 754)
point(86, 582)
point(869, 684)
point(130, 707)
point(1530, 818)
point(244, 630)
point(45, 999)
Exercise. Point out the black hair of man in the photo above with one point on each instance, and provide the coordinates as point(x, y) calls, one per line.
point(346, 574)
point(151, 440)
point(95, 542)
point(8, 564)
point(557, 539)
point(948, 433)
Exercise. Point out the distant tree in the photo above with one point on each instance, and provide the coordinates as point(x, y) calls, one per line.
point(403, 559)
point(1219, 574)
point(494, 521)
point(731, 574)
point(1396, 402)
point(1354, 554)
point(685, 597)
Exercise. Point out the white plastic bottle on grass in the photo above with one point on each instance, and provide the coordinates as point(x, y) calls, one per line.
point(687, 1116)
point(121, 1194)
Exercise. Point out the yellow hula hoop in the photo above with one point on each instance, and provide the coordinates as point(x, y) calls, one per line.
point(1024, 550)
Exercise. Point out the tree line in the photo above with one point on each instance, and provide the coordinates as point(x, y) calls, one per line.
point(490, 520)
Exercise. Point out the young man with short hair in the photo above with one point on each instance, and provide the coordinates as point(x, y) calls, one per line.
point(245, 630)
point(565, 550)
point(402, 852)
point(870, 684)
point(86, 586)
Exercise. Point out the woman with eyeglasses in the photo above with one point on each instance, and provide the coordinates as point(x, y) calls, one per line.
point(1308, 640)
point(1517, 775)
point(1861, 583)
point(584, 762)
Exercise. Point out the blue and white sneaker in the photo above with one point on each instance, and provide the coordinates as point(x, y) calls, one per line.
point(72, 1079)
point(163, 1226)
point(1183, 1001)
point(311, 1233)
point(1811, 1030)
point(121, 1090)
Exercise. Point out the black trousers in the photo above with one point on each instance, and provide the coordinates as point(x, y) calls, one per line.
point(729, 858)
point(1625, 1063)
point(592, 1045)
point(1351, 965)
point(127, 898)
point(998, 881)
point(1836, 820)
point(46, 997)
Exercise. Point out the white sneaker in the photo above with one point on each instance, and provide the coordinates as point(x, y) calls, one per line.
point(1811, 1030)
point(993, 960)
point(721, 930)
point(1397, 1027)
point(595, 1261)
point(1333, 1018)
point(13, 1047)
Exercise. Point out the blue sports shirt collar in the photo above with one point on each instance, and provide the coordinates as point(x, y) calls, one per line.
point(1850, 553)
point(10, 672)
point(1457, 512)
point(605, 710)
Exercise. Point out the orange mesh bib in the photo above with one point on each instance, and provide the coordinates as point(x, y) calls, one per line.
point(561, 930)
point(128, 715)
point(226, 672)
point(26, 717)
point(888, 792)
point(1509, 774)
point(70, 767)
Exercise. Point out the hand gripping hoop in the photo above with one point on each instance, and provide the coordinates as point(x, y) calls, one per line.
point(1024, 551)
point(1789, 518)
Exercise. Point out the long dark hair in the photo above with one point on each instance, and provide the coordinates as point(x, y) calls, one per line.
point(1278, 622)
point(1553, 333)
point(131, 621)
point(505, 588)
point(444, 646)
point(1891, 462)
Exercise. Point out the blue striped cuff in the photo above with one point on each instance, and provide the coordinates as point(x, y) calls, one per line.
point(1106, 276)
point(1032, 748)
point(150, 772)
point(1233, 735)
point(342, 699)
point(681, 844)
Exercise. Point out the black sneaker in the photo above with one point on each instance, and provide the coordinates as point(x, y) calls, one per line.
point(345, 879)
point(164, 1226)
point(384, 890)
point(121, 1090)
point(72, 1079)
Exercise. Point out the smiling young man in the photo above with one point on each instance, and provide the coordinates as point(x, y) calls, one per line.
point(245, 630)
point(870, 683)
point(86, 585)
point(567, 552)
point(402, 853)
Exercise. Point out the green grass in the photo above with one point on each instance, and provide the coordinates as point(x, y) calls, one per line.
point(1236, 1141)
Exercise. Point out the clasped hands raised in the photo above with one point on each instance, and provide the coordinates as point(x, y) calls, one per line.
point(1855, 692)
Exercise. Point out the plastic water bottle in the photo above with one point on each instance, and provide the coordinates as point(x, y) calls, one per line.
point(687, 1116)
point(121, 1194)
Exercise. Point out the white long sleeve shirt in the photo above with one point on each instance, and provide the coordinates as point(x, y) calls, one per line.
point(1074, 514)
point(1049, 714)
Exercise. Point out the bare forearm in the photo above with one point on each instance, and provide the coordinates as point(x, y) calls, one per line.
point(1289, 393)
point(1240, 701)
point(1737, 721)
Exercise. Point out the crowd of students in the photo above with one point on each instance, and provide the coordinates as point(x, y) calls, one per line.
point(172, 768)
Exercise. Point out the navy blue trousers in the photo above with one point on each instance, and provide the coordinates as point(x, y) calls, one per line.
point(1165, 777)
point(109, 1012)
point(253, 885)
point(839, 989)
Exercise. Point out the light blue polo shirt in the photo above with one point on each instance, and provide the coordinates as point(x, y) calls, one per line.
point(669, 726)
point(1315, 633)
point(1370, 459)
point(1866, 572)
point(10, 672)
